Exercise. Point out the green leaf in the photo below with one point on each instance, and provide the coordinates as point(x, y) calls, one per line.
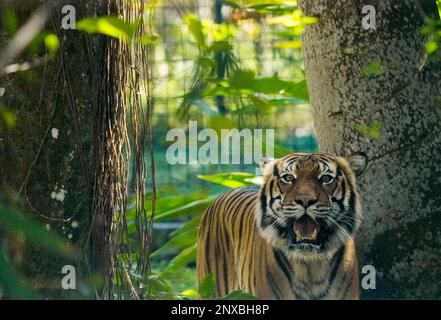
point(220, 46)
point(189, 293)
point(218, 123)
point(373, 130)
point(12, 221)
point(7, 117)
point(230, 180)
point(294, 44)
point(206, 63)
point(157, 285)
point(11, 282)
point(270, 85)
point(373, 69)
point(431, 46)
point(298, 90)
point(146, 39)
point(293, 20)
point(181, 260)
point(10, 21)
point(238, 295)
point(185, 210)
point(241, 79)
point(191, 224)
point(286, 101)
point(196, 29)
point(109, 26)
point(34, 46)
point(165, 204)
point(207, 287)
point(246, 82)
point(178, 242)
point(52, 43)
point(273, 8)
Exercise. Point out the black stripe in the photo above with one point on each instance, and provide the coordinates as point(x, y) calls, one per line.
point(207, 239)
point(267, 220)
point(333, 274)
point(239, 206)
point(227, 290)
point(340, 202)
point(351, 212)
point(274, 288)
point(337, 261)
point(348, 285)
point(276, 171)
point(263, 202)
point(217, 257)
point(283, 264)
point(245, 206)
point(232, 200)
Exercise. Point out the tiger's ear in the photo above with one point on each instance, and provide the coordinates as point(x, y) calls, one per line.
point(267, 165)
point(358, 162)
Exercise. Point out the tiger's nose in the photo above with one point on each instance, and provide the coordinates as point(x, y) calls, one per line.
point(305, 201)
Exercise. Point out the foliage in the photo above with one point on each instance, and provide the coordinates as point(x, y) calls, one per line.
point(373, 130)
point(231, 180)
point(14, 223)
point(218, 74)
point(52, 43)
point(7, 117)
point(216, 60)
point(207, 287)
point(432, 30)
point(108, 25)
point(182, 242)
point(223, 78)
point(238, 295)
point(245, 82)
point(374, 68)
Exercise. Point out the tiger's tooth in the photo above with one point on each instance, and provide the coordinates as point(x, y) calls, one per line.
point(314, 235)
point(298, 235)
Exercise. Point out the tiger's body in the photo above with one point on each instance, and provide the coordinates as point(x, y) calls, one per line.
point(257, 241)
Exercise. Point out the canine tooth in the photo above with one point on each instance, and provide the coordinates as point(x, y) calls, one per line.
point(298, 235)
point(314, 235)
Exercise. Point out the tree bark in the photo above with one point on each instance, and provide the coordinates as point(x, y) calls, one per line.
point(77, 93)
point(401, 190)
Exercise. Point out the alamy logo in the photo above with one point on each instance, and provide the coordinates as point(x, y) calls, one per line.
point(369, 281)
point(232, 146)
point(69, 281)
point(368, 22)
point(69, 21)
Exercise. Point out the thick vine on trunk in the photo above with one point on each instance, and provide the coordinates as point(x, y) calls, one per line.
point(63, 162)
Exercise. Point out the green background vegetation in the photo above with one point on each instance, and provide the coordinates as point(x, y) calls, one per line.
point(239, 69)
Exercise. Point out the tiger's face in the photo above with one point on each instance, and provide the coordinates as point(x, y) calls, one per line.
point(309, 205)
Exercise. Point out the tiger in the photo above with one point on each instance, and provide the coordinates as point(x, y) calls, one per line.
point(292, 237)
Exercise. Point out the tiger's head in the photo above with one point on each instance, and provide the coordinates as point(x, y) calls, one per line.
point(309, 206)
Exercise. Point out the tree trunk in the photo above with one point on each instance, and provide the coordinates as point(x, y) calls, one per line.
point(63, 161)
point(358, 79)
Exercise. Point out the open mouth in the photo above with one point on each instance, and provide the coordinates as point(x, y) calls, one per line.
point(303, 233)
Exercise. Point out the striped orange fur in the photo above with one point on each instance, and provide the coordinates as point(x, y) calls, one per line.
point(292, 238)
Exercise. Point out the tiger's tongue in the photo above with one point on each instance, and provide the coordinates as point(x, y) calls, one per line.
point(306, 228)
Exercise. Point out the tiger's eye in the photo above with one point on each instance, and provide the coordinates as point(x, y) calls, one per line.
point(327, 178)
point(288, 178)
